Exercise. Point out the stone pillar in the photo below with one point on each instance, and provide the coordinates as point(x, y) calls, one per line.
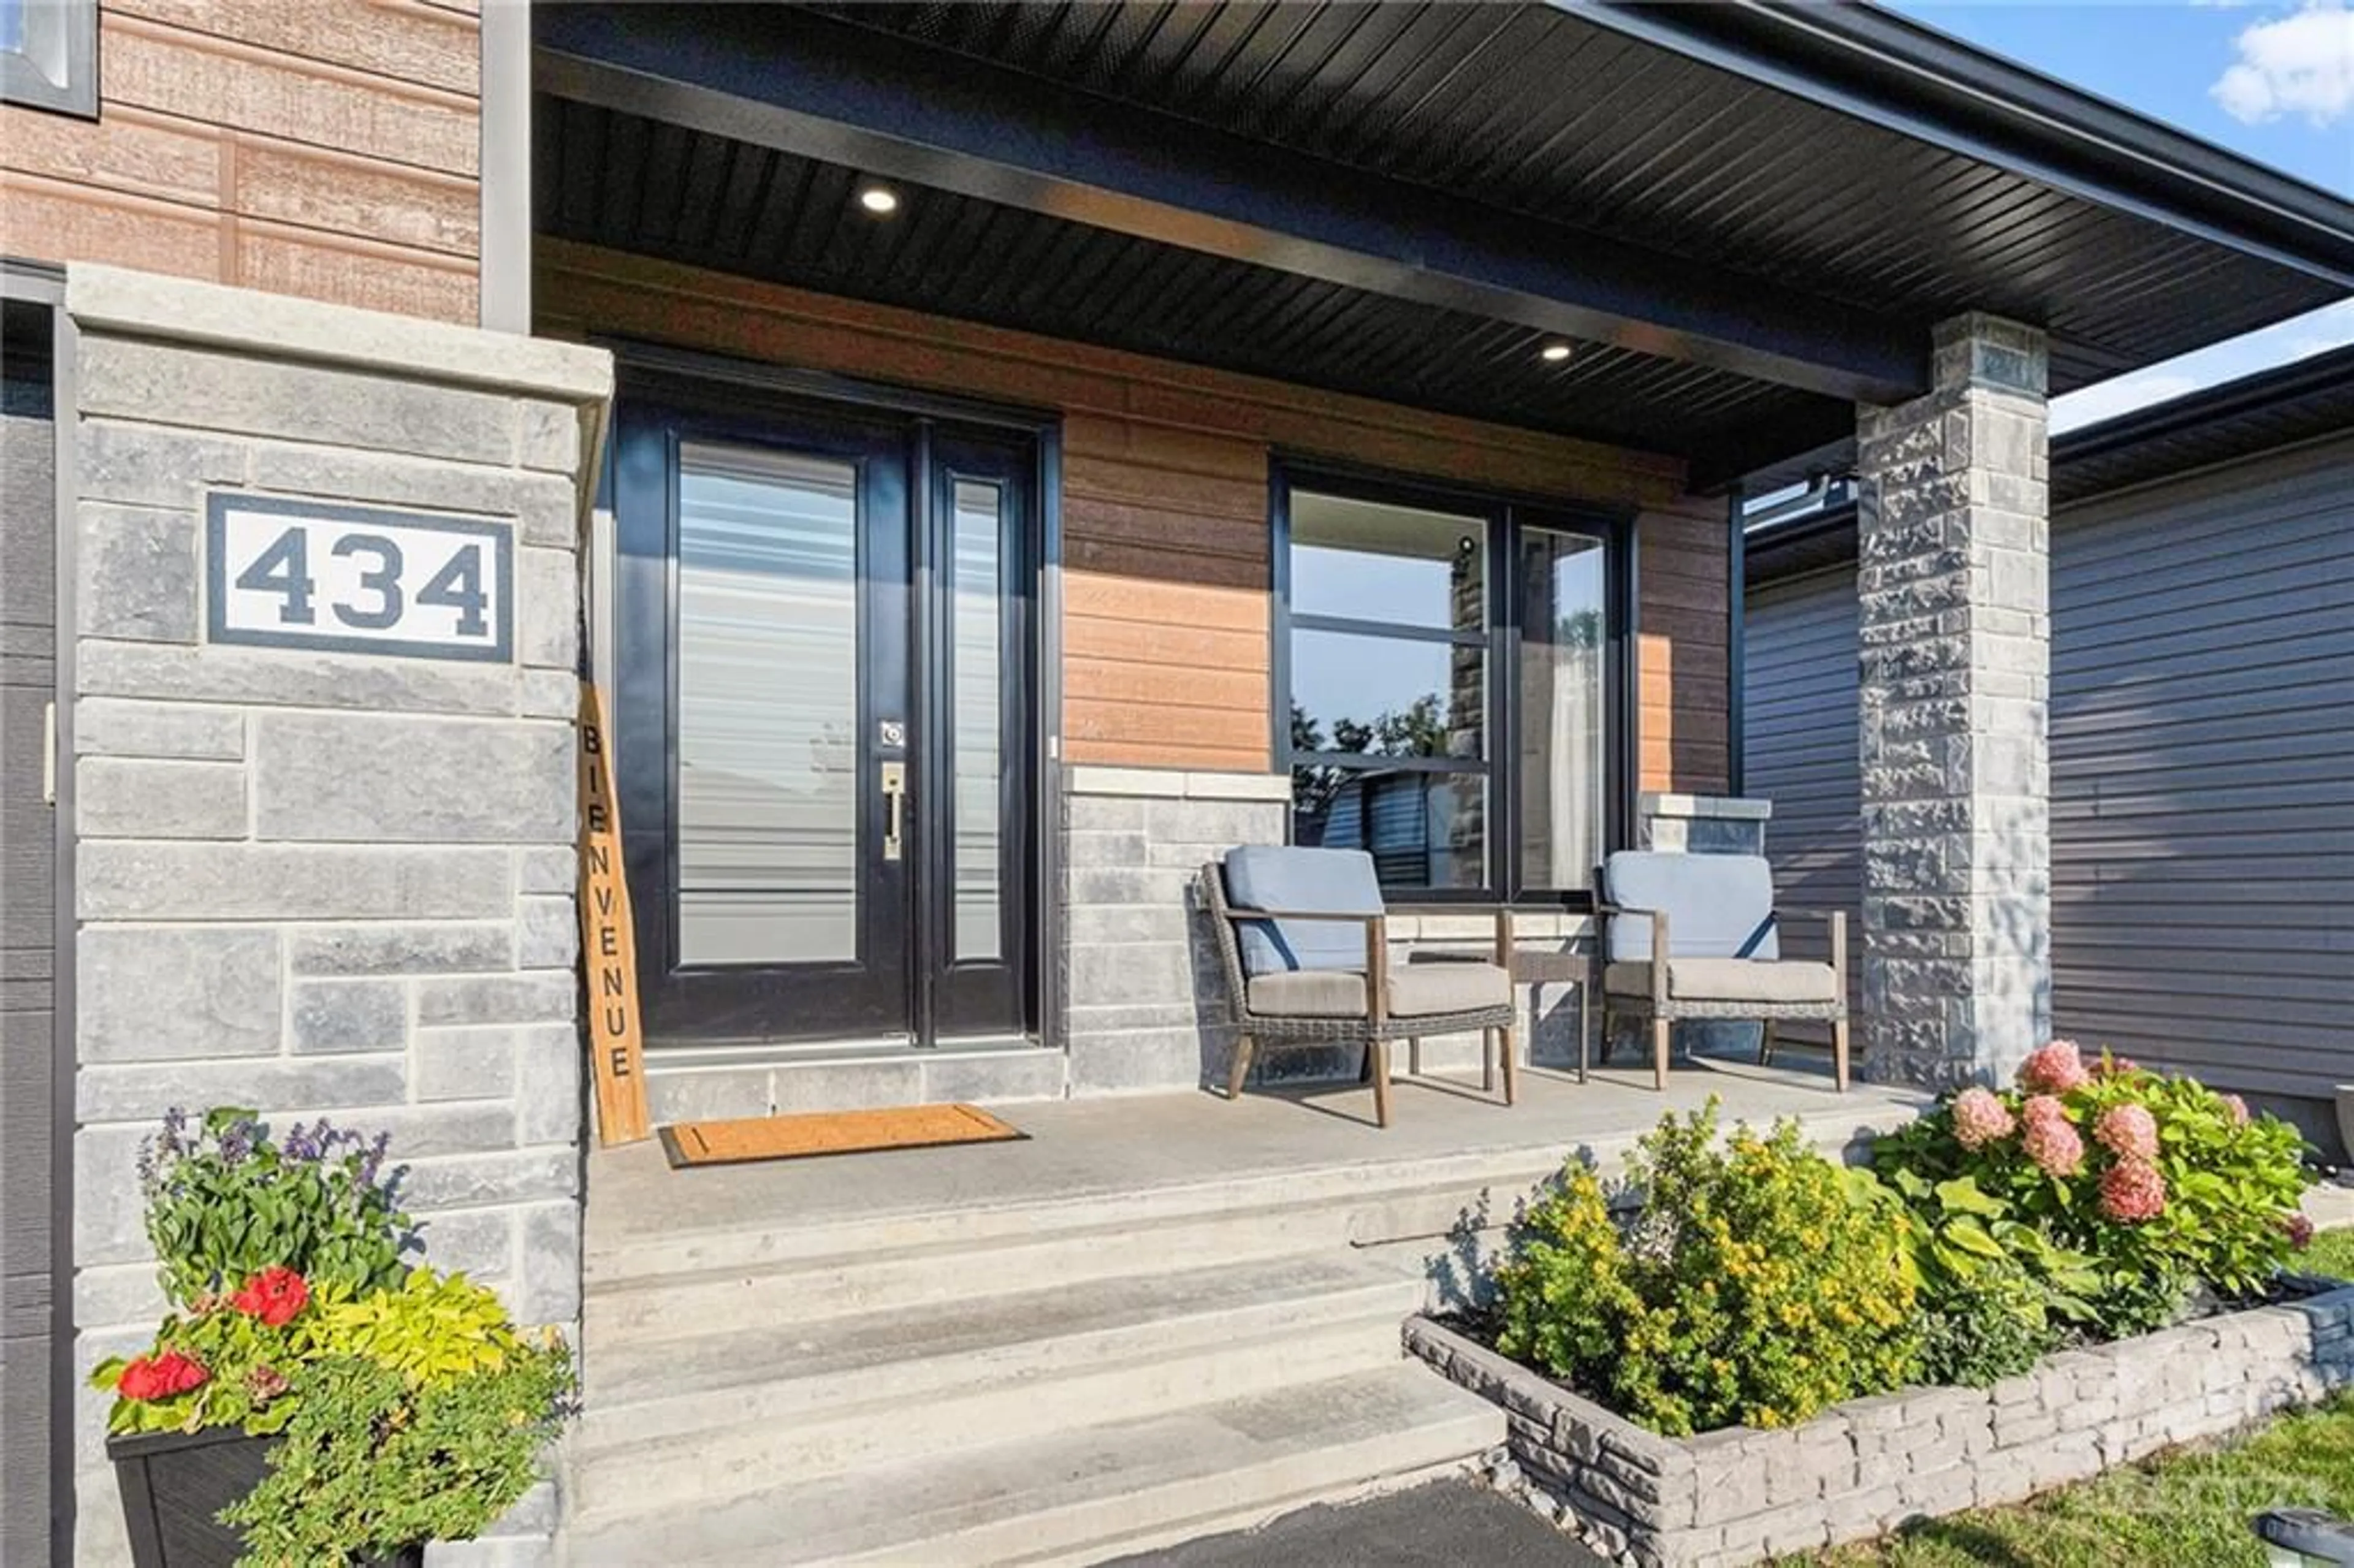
point(1952, 572)
point(318, 876)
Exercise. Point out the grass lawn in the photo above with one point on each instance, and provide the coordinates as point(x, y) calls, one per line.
point(2181, 1510)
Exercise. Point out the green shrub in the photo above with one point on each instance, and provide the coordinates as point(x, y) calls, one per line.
point(2157, 1181)
point(1753, 1282)
point(226, 1201)
point(374, 1461)
point(1993, 1325)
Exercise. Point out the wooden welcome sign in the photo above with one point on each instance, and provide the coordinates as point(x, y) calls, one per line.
point(609, 943)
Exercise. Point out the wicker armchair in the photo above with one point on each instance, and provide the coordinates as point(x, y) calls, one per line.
point(1713, 918)
point(1312, 969)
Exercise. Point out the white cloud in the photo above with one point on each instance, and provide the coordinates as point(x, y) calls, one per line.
point(2315, 331)
point(2302, 64)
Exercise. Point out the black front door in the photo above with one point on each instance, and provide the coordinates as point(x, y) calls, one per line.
point(821, 718)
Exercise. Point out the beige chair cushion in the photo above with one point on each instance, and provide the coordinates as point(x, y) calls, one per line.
point(1728, 980)
point(1416, 990)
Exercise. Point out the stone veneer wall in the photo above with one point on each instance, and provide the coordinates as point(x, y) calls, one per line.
point(323, 883)
point(1863, 1468)
point(1144, 998)
point(1143, 1002)
point(1953, 579)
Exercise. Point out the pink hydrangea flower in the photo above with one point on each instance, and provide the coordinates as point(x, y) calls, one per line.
point(1980, 1119)
point(2128, 1131)
point(2300, 1232)
point(2238, 1108)
point(2056, 1069)
point(2048, 1139)
point(2132, 1191)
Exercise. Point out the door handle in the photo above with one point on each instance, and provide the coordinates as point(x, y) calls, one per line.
point(895, 809)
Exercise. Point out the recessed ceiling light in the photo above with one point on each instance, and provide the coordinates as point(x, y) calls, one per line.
point(879, 199)
point(1553, 352)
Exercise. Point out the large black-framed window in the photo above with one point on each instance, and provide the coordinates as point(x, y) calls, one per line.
point(1452, 681)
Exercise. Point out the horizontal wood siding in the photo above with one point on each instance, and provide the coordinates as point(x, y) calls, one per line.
point(1682, 561)
point(2202, 766)
point(1165, 475)
point(1798, 708)
point(2203, 773)
point(325, 148)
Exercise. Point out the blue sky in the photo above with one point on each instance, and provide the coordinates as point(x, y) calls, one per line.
point(2272, 80)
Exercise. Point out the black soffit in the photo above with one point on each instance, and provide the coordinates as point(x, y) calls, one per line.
point(1589, 115)
point(1677, 133)
point(630, 184)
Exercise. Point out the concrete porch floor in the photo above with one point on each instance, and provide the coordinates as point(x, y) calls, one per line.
point(1132, 1146)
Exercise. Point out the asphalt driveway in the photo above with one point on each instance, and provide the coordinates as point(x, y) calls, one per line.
point(1446, 1524)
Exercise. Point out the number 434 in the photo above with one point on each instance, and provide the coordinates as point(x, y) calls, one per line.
point(284, 569)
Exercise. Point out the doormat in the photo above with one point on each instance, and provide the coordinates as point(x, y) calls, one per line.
point(830, 1132)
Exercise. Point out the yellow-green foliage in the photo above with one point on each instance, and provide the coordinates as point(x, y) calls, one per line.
point(1753, 1282)
point(433, 1331)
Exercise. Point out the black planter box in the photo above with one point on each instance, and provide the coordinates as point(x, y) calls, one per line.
point(173, 1484)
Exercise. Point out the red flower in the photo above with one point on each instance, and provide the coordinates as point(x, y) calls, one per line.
point(274, 1295)
point(160, 1377)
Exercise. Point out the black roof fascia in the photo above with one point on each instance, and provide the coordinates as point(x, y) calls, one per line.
point(2199, 430)
point(1892, 72)
point(828, 90)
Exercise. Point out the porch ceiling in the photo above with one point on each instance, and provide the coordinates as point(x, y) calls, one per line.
point(621, 180)
point(1747, 216)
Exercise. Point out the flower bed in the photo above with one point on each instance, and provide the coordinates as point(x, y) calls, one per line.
point(1864, 1467)
point(1744, 1348)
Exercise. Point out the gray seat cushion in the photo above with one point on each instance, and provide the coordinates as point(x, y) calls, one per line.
point(1727, 980)
point(1278, 876)
point(1418, 991)
point(1718, 906)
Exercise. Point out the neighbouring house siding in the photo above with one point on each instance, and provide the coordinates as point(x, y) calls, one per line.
point(28, 864)
point(1165, 478)
point(323, 148)
point(1798, 695)
point(2203, 773)
point(2202, 766)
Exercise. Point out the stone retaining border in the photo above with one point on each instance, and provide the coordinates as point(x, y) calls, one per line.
point(1862, 1468)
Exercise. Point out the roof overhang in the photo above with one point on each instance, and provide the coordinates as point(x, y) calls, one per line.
point(1884, 68)
point(1754, 213)
point(810, 85)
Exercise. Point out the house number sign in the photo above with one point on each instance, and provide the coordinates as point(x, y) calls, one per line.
point(288, 573)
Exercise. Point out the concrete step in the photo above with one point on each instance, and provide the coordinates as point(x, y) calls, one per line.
point(873, 1282)
point(1431, 1188)
point(727, 1413)
point(1078, 1495)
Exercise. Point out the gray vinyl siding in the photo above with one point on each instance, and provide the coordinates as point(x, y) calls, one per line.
point(1799, 705)
point(2203, 773)
point(27, 648)
point(2202, 766)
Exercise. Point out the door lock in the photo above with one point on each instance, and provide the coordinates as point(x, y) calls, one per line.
point(895, 809)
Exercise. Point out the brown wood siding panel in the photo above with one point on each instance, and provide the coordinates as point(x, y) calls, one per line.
point(325, 148)
point(406, 44)
point(1682, 562)
point(1165, 620)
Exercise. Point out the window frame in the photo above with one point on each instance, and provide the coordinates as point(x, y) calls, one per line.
point(70, 28)
point(1507, 517)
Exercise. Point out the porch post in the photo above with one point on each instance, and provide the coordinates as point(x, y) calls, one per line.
point(1953, 537)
